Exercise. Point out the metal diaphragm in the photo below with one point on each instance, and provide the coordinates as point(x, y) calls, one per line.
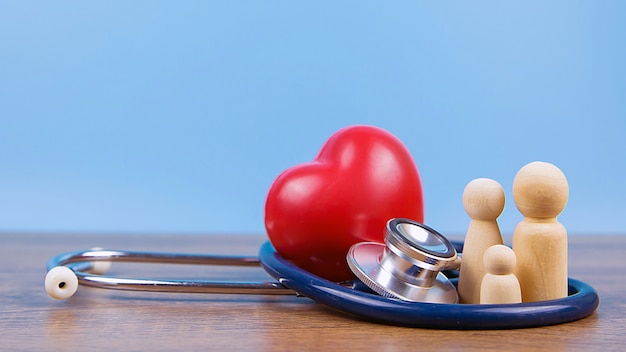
point(408, 266)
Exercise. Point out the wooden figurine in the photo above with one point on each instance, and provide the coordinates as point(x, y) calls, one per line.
point(483, 200)
point(540, 191)
point(499, 284)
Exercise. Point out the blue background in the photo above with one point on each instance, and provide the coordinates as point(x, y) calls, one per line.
point(176, 117)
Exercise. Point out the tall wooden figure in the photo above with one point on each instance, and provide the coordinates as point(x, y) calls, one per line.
point(540, 191)
point(483, 200)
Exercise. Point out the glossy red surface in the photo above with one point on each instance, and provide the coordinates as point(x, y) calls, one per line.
point(362, 177)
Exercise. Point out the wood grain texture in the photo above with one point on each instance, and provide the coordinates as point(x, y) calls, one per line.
point(483, 200)
point(103, 319)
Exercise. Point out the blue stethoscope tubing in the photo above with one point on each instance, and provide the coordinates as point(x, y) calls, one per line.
point(581, 302)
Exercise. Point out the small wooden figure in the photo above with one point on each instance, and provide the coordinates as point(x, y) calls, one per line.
point(540, 191)
point(500, 285)
point(483, 200)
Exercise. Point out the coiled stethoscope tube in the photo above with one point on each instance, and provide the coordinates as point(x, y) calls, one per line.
point(582, 301)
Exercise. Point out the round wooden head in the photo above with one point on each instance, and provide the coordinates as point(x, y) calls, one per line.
point(540, 190)
point(483, 199)
point(499, 260)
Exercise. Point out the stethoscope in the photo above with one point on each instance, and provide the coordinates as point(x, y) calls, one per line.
point(408, 281)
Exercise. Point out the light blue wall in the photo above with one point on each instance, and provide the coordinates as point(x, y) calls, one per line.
point(149, 116)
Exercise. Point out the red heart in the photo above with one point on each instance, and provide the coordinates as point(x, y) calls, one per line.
point(362, 177)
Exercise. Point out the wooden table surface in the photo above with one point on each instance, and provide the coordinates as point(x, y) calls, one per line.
point(139, 321)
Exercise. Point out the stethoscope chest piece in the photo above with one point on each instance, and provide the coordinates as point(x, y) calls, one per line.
point(408, 266)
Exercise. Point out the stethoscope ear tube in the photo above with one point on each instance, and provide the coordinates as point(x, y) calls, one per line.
point(66, 271)
point(582, 301)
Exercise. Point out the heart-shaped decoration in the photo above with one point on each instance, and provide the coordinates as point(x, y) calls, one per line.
point(362, 177)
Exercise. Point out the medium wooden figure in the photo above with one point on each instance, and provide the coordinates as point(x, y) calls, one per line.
point(540, 191)
point(500, 285)
point(483, 200)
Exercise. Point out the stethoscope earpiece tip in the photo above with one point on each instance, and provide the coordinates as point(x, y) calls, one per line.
point(61, 282)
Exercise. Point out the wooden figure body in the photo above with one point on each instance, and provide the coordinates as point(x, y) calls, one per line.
point(540, 191)
point(483, 200)
point(500, 285)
